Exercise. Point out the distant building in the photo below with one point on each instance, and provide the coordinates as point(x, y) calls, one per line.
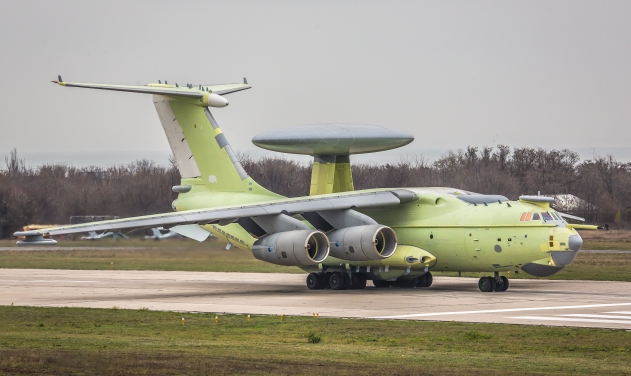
point(77, 219)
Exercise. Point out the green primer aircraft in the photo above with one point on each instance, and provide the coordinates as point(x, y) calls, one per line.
point(343, 237)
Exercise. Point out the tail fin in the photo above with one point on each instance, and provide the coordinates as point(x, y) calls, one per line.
point(201, 150)
point(198, 144)
point(156, 232)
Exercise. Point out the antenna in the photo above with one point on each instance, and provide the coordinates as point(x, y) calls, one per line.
point(159, 81)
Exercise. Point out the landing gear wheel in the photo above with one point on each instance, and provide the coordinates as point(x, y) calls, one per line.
point(499, 285)
point(428, 279)
point(358, 281)
point(486, 284)
point(337, 281)
point(421, 281)
point(326, 277)
point(380, 284)
point(315, 281)
point(504, 284)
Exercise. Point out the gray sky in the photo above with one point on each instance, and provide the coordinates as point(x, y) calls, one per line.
point(554, 74)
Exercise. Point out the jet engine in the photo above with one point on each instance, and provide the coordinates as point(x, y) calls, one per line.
point(363, 243)
point(292, 248)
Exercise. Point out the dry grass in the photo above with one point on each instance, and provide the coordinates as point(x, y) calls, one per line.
point(182, 255)
point(210, 256)
point(612, 239)
point(114, 342)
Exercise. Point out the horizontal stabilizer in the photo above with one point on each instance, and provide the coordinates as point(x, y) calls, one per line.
point(187, 91)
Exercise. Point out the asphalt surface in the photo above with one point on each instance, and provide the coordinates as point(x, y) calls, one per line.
point(538, 302)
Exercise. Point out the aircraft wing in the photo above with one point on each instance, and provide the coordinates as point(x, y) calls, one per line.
point(230, 214)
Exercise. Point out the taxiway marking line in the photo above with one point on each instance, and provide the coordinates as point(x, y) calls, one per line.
point(621, 312)
point(597, 316)
point(566, 319)
point(500, 310)
point(45, 281)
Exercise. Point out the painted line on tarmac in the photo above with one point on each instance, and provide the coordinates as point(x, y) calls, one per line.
point(501, 310)
point(621, 312)
point(45, 281)
point(567, 319)
point(592, 316)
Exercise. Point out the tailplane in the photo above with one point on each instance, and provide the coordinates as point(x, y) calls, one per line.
point(201, 150)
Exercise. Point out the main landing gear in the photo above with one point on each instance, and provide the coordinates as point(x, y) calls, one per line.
point(493, 284)
point(357, 281)
point(336, 281)
point(423, 281)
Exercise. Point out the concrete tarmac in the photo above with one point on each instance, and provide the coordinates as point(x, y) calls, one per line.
point(539, 302)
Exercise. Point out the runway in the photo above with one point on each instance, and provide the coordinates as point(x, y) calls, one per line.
point(538, 302)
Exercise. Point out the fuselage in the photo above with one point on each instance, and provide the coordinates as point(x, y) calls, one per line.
point(461, 236)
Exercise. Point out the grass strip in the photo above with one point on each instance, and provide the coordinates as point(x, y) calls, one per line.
point(113, 341)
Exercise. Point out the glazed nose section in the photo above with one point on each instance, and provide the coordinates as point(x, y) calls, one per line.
point(575, 242)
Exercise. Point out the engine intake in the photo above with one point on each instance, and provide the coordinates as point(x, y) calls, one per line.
point(363, 243)
point(292, 248)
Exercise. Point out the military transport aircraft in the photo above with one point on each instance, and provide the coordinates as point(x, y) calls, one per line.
point(343, 237)
point(92, 235)
point(156, 234)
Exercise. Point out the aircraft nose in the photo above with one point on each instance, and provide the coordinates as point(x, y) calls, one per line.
point(575, 242)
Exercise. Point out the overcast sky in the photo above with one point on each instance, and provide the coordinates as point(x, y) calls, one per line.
point(554, 74)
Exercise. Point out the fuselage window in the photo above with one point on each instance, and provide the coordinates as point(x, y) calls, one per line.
point(546, 216)
point(535, 217)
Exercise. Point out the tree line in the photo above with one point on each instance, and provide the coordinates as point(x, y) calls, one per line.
point(51, 193)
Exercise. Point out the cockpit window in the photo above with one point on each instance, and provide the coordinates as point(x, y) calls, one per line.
point(546, 216)
point(536, 217)
point(555, 215)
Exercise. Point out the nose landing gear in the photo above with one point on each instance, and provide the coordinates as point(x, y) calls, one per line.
point(497, 283)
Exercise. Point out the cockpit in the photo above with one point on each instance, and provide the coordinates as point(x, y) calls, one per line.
point(538, 216)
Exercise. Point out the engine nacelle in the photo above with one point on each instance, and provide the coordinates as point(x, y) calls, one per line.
point(363, 243)
point(292, 248)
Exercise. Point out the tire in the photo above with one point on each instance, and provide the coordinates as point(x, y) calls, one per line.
point(326, 277)
point(314, 281)
point(486, 284)
point(505, 284)
point(358, 281)
point(498, 285)
point(421, 281)
point(380, 284)
point(429, 279)
point(404, 283)
point(337, 281)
